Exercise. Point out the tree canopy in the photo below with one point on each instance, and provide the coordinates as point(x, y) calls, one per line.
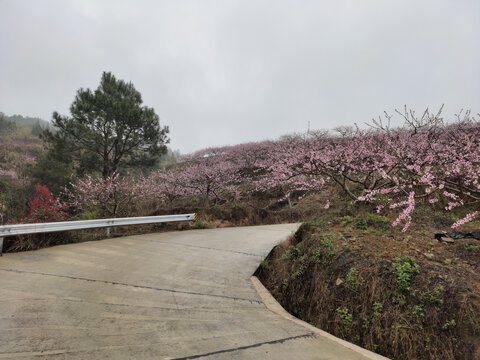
point(109, 130)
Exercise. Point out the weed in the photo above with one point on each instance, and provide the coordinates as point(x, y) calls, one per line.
point(436, 297)
point(360, 223)
point(449, 324)
point(199, 224)
point(377, 310)
point(90, 213)
point(404, 268)
point(472, 248)
point(301, 268)
point(318, 256)
point(352, 281)
point(322, 223)
point(398, 298)
point(292, 253)
point(396, 327)
point(347, 319)
point(264, 263)
point(373, 219)
point(418, 311)
point(347, 220)
point(427, 342)
point(366, 323)
point(327, 242)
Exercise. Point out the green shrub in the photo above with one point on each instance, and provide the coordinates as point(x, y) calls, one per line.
point(346, 319)
point(418, 311)
point(199, 224)
point(472, 248)
point(352, 281)
point(292, 253)
point(326, 241)
point(318, 256)
point(404, 268)
point(377, 310)
point(360, 223)
point(434, 296)
point(373, 219)
point(301, 267)
point(90, 213)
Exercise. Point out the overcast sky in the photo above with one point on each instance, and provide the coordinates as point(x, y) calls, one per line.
point(224, 72)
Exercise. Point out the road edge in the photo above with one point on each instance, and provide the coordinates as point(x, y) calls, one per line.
point(276, 308)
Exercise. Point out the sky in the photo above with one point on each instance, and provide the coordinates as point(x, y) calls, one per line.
point(226, 72)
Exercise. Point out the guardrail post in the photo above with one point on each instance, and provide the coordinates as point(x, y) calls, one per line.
point(1, 246)
point(108, 231)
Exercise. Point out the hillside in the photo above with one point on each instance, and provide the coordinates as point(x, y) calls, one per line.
point(27, 121)
point(389, 254)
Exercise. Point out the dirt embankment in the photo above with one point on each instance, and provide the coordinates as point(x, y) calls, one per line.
point(403, 296)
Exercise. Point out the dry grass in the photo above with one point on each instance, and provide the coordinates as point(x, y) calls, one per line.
point(436, 318)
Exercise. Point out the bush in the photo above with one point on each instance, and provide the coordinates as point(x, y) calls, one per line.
point(404, 268)
point(292, 253)
point(44, 207)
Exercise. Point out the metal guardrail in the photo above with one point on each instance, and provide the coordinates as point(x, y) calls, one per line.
point(23, 229)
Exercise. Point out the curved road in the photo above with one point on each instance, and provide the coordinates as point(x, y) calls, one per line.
point(178, 295)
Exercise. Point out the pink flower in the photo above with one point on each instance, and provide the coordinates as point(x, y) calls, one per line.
point(466, 219)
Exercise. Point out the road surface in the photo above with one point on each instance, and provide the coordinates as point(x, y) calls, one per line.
point(177, 295)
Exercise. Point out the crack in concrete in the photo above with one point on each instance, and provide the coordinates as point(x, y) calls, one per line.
point(272, 342)
point(135, 286)
point(204, 247)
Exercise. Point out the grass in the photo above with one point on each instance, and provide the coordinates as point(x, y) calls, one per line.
point(366, 286)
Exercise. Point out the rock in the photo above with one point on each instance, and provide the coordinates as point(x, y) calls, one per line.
point(456, 236)
point(447, 261)
point(439, 235)
point(428, 255)
point(342, 260)
point(446, 239)
point(464, 236)
point(339, 282)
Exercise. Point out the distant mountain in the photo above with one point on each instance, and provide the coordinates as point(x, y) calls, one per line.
point(20, 120)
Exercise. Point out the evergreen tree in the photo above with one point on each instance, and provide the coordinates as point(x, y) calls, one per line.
point(6, 125)
point(109, 130)
point(37, 129)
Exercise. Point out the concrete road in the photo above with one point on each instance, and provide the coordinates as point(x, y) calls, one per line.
point(178, 295)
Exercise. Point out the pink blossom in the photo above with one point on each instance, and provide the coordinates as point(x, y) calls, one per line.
point(466, 219)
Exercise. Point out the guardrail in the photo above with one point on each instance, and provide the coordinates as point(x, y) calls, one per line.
point(23, 229)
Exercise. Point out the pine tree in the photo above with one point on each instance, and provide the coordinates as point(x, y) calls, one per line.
point(109, 130)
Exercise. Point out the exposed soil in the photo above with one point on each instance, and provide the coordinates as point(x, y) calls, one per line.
point(338, 273)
